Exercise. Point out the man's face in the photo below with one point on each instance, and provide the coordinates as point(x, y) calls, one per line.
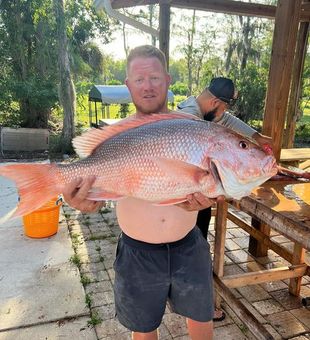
point(148, 84)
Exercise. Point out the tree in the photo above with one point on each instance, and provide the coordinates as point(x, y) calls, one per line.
point(29, 53)
point(66, 87)
point(27, 32)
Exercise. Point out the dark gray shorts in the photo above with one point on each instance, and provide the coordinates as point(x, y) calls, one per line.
point(148, 275)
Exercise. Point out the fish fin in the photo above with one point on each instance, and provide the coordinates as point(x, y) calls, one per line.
point(171, 201)
point(181, 170)
point(85, 144)
point(36, 184)
point(103, 196)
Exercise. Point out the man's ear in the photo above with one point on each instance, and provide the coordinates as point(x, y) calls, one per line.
point(215, 102)
point(126, 81)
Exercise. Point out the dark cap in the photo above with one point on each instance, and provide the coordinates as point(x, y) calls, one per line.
point(223, 89)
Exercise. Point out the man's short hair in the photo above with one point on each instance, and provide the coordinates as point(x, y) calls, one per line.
point(147, 51)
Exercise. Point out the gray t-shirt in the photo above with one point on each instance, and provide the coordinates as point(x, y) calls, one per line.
point(190, 105)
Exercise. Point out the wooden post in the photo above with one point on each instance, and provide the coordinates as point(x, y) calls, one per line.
point(292, 111)
point(298, 258)
point(220, 236)
point(283, 50)
point(257, 248)
point(219, 243)
point(164, 29)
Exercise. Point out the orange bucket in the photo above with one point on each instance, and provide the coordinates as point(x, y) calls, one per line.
point(43, 222)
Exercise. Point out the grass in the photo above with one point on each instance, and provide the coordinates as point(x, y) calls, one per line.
point(75, 259)
point(88, 300)
point(95, 320)
point(85, 280)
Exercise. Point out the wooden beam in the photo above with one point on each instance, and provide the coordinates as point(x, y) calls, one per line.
point(280, 71)
point(261, 276)
point(298, 66)
point(164, 30)
point(261, 237)
point(228, 7)
point(277, 221)
point(241, 311)
point(305, 12)
point(220, 6)
point(220, 236)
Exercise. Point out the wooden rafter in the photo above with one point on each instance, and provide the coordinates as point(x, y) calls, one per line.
point(221, 6)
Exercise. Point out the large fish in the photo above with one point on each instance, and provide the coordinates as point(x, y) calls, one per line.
point(160, 158)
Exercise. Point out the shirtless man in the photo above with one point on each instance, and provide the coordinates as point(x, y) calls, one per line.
point(160, 250)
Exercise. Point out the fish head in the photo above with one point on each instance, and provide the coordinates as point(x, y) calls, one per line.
point(239, 164)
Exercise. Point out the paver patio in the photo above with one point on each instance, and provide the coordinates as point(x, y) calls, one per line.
point(94, 239)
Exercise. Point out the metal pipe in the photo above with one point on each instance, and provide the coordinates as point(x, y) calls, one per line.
point(106, 4)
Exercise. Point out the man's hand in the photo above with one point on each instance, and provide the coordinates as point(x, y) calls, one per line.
point(76, 192)
point(198, 201)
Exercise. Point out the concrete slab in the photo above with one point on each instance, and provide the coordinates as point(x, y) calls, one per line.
point(72, 329)
point(38, 284)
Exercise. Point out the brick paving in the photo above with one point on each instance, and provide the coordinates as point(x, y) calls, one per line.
point(94, 239)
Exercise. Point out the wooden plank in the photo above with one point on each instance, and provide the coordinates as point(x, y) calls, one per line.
point(220, 236)
point(261, 276)
point(261, 237)
point(296, 231)
point(298, 66)
point(241, 311)
point(220, 6)
point(283, 47)
point(298, 258)
point(294, 154)
point(305, 165)
point(258, 249)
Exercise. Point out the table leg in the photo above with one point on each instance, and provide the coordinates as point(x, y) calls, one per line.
point(256, 248)
point(298, 258)
point(219, 244)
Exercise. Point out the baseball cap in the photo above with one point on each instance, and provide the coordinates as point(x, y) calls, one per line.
point(223, 89)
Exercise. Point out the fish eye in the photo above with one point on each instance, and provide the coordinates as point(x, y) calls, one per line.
point(243, 144)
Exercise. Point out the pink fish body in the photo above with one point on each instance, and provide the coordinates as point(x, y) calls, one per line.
point(160, 158)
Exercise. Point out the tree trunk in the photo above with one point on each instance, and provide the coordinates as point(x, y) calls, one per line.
point(191, 34)
point(66, 89)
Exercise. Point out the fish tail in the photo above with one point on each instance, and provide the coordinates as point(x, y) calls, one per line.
point(36, 184)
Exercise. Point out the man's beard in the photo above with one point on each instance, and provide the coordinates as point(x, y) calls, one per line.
point(209, 116)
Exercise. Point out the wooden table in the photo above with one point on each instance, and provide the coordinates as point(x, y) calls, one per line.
point(283, 206)
point(294, 156)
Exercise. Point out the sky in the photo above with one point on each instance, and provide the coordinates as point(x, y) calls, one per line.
point(136, 37)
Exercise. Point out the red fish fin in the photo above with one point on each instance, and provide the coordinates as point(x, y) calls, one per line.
point(172, 201)
point(181, 170)
point(36, 184)
point(103, 196)
point(86, 143)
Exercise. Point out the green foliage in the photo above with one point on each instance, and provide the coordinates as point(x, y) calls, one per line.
point(29, 56)
point(124, 110)
point(95, 319)
point(251, 86)
point(179, 88)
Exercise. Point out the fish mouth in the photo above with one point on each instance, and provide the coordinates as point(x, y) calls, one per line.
point(236, 187)
point(215, 172)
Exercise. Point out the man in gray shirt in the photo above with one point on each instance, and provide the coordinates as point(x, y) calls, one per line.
point(211, 105)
